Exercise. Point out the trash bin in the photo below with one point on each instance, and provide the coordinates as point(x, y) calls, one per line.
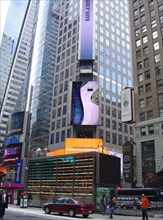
point(24, 202)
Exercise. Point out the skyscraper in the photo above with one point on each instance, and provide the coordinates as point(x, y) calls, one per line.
point(111, 68)
point(15, 53)
point(147, 53)
point(42, 73)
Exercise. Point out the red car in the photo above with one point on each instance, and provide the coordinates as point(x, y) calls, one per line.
point(70, 206)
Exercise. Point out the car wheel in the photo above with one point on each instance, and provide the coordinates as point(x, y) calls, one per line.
point(71, 213)
point(85, 216)
point(47, 210)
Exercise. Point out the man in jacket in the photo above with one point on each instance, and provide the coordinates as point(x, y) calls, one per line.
point(3, 202)
point(144, 206)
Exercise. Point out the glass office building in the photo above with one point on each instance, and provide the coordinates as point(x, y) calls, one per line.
point(16, 50)
point(42, 73)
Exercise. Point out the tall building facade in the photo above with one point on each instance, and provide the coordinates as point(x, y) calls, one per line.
point(18, 33)
point(112, 68)
point(147, 52)
point(42, 74)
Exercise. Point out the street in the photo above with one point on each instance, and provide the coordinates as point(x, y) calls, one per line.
point(31, 213)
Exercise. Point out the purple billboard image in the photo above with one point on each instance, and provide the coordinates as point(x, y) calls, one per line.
point(85, 103)
point(86, 31)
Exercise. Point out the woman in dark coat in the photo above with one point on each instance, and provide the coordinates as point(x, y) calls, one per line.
point(3, 203)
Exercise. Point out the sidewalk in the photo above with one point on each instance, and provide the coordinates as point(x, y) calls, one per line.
point(40, 212)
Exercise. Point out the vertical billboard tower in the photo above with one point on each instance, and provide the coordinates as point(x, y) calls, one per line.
point(85, 92)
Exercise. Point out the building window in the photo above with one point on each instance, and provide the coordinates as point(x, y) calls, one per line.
point(145, 39)
point(157, 58)
point(140, 77)
point(148, 87)
point(159, 83)
point(161, 19)
point(143, 131)
point(155, 34)
point(160, 98)
point(160, 8)
point(137, 32)
point(136, 12)
point(142, 18)
point(120, 140)
point(147, 74)
point(151, 129)
point(146, 62)
point(107, 137)
point(107, 123)
point(141, 90)
point(135, 3)
point(114, 125)
point(158, 70)
point(156, 46)
point(143, 28)
point(153, 23)
point(152, 13)
point(145, 50)
point(149, 115)
point(142, 9)
point(138, 43)
point(139, 65)
point(136, 22)
point(141, 103)
point(161, 112)
point(142, 117)
point(114, 138)
point(138, 54)
point(149, 100)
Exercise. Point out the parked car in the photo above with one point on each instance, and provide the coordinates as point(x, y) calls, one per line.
point(70, 206)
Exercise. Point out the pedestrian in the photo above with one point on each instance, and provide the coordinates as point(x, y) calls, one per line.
point(3, 202)
point(144, 206)
point(112, 204)
point(104, 204)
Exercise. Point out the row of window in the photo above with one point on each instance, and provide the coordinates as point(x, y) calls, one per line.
point(149, 114)
point(148, 88)
point(151, 2)
point(146, 75)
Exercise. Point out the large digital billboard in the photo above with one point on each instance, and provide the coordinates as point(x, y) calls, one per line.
point(86, 30)
point(85, 103)
point(16, 123)
point(12, 154)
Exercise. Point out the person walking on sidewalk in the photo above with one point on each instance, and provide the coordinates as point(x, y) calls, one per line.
point(3, 202)
point(144, 206)
point(104, 204)
point(112, 204)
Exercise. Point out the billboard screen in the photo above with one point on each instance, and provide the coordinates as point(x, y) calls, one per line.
point(12, 154)
point(128, 162)
point(85, 103)
point(127, 105)
point(106, 173)
point(16, 123)
point(19, 165)
point(86, 31)
point(12, 139)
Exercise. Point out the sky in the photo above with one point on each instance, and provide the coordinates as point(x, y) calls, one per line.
point(3, 12)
